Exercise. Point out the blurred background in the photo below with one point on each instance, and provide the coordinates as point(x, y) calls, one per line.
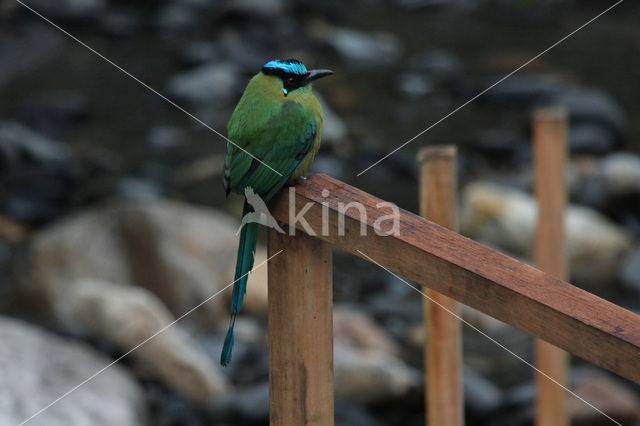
point(113, 220)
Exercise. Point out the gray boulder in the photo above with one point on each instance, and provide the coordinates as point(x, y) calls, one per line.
point(38, 367)
point(506, 218)
point(134, 319)
point(215, 82)
point(179, 252)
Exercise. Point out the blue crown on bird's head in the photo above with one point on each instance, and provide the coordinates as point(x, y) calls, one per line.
point(285, 66)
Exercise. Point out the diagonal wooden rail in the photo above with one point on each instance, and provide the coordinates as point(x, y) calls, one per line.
point(498, 285)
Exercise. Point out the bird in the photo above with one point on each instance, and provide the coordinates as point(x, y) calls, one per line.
point(274, 134)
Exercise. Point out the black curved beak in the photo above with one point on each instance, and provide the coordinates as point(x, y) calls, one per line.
point(316, 74)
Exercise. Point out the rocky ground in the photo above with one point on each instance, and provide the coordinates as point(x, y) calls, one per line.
point(113, 223)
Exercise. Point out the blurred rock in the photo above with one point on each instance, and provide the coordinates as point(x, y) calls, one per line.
point(171, 409)
point(257, 8)
point(248, 329)
point(200, 170)
point(439, 63)
point(53, 112)
point(248, 53)
point(481, 396)
point(481, 320)
point(69, 9)
point(135, 189)
point(502, 145)
point(215, 82)
point(611, 185)
point(413, 84)
point(37, 174)
point(330, 165)
point(602, 390)
point(198, 53)
point(252, 404)
point(362, 49)
point(6, 254)
point(18, 141)
point(126, 316)
point(593, 106)
point(609, 394)
point(179, 18)
point(456, 5)
point(395, 306)
point(120, 23)
point(590, 139)
point(370, 376)
point(179, 252)
point(524, 89)
point(506, 218)
point(629, 272)
point(334, 130)
point(347, 414)
point(38, 367)
point(164, 137)
point(27, 50)
point(357, 330)
point(12, 231)
point(415, 335)
point(620, 173)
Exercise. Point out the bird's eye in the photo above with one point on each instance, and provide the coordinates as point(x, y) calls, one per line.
point(291, 81)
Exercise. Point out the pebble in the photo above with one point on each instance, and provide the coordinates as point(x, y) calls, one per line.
point(362, 49)
point(591, 139)
point(629, 272)
point(135, 189)
point(54, 112)
point(120, 23)
point(356, 329)
point(334, 129)
point(481, 396)
point(370, 376)
point(413, 84)
point(76, 10)
point(620, 172)
point(209, 83)
point(39, 175)
point(439, 63)
point(164, 137)
point(593, 106)
point(24, 52)
point(524, 90)
point(257, 8)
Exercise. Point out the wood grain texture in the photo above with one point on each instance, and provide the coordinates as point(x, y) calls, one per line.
point(498, 285)
point(443, 353)
point(549, 155)
point(300, 331)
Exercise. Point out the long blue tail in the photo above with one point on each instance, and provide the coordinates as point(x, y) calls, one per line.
point(244, 263)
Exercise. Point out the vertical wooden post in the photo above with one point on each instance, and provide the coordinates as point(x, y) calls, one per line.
point(443, 354)
point(549, 152)
point(300, 331)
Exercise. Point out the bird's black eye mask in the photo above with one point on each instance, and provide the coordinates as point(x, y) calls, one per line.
point(290, 81)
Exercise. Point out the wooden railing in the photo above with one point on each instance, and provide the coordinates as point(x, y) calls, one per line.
point(300, 293)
